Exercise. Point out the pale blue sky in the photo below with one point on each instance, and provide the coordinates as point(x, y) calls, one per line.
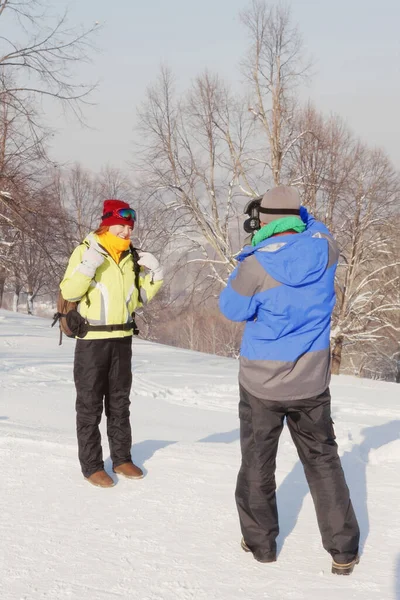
point(355, 45)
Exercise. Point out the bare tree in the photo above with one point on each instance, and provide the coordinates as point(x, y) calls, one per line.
point(321, 161)
point(39, 61)
point(81, 199)
point(192, 158)
point(8, 239)
point(355, 191)
point(30, 242)
point(114, 183)
point(31, 271)
point(367, 271)
point(199, 328)
point(381, 359)
point(36, 62)
point(274, 67)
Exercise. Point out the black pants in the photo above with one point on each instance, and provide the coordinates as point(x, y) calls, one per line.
point(311, 428)
point(103, 372)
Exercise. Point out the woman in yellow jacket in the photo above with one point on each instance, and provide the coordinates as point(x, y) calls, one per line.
point(101, 277)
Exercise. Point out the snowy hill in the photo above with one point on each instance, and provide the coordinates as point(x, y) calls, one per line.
point(174, 535)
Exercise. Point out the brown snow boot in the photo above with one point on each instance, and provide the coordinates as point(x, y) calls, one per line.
point(129, 470)
point(344, 568)
point(100, 479)
point(264, 559)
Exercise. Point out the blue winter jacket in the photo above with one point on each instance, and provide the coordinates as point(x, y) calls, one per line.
point(284, 289)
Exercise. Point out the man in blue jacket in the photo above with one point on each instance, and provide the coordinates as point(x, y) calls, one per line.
point(283, 288)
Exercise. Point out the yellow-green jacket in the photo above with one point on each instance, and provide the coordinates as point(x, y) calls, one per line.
point(111, 296)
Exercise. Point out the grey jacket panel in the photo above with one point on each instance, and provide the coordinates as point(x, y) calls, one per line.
point(333, 248)
point(279, 380)
point(252, 278)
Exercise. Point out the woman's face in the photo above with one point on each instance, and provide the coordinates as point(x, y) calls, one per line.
point(121, 231)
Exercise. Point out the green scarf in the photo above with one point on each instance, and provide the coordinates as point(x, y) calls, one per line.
point(278, 226)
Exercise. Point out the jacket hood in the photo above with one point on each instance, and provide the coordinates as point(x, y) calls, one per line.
point(293, 259)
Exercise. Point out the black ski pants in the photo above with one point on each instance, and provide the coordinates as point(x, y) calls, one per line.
point(311, 427)
point(103, 375)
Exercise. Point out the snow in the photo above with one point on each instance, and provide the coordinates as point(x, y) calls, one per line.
point(174, 535)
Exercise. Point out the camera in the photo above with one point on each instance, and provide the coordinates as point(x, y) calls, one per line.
point(252, 209)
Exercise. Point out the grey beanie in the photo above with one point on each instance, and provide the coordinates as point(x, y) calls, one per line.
point(280, 202)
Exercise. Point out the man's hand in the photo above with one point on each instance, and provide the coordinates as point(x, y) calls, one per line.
point(150, 262)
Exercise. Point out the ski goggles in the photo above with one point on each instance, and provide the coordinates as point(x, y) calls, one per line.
point(129, 214)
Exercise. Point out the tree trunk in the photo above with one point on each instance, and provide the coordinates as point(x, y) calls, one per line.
point(397, 372)
point(29, 303)
point(337, 355)
point(2, 285)
point(15, 301)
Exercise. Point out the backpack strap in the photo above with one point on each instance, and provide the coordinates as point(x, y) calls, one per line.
point(136, 269)
point(57, 316)
point(119, 327)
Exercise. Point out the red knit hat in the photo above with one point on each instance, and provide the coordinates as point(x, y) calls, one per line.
point(110, 214)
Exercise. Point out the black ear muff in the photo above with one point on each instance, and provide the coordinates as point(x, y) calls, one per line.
point(252, 209)
point(251, 224)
